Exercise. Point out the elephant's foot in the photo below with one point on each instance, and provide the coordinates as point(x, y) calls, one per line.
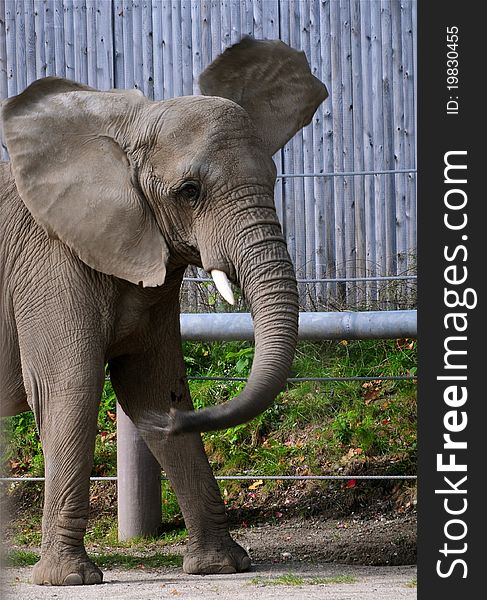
point(215, 557)
point(57, 568)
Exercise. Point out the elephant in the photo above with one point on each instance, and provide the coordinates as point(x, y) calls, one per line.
point(107, 197)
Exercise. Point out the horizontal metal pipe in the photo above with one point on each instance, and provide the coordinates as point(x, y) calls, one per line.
point(347, 173)
point(316, 379)
point(312, 325)
point(243, 478)
point(325, 280)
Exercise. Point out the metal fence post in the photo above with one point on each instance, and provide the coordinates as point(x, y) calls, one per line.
point(138, 483)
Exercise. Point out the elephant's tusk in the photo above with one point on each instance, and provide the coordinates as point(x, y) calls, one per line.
point(223, 285)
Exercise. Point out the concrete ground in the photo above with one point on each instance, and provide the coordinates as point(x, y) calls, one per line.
point(265, 582)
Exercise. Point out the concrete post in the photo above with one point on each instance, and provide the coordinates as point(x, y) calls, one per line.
point(138, 483)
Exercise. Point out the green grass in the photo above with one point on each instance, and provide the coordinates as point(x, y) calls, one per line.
point(21, 558)
point(296, 580)
point(104, 531)
point(27, 558)
point(412, 584)
point(128, 561)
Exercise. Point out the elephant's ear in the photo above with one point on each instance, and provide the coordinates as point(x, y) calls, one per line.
point(78, 181)
point(272, 82)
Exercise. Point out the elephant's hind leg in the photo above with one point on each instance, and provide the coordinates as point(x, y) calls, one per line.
point(153, 382)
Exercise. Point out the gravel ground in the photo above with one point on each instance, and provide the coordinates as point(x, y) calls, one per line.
point(368, 583)
point(355, 558)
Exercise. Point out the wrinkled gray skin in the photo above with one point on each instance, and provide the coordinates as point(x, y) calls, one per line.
point(107, 199)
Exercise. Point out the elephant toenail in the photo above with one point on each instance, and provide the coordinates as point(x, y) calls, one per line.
point(94, 578)
point(73, 579)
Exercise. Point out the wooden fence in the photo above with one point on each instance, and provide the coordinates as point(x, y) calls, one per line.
point(354, 214)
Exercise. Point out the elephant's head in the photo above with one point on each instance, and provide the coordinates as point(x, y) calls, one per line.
point(137, 188)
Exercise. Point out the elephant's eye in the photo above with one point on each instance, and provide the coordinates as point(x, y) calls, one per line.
point(191, 191)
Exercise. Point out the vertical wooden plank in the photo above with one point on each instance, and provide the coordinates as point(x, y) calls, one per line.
point(69, 39)
point(192, 290)
point(91, 46)
point(270, 19)
point(3, 59)
point(39, 39)
point(49, 39)
point(338, 163)
point(59, 41)
point(3, 71)
point(247, 17)
point(187, 49)
point(287, 153)
point(368, 149)
point(20, 46)
point(157, 44)
point(215, 20)
point(414, 17)
point(80, 41)
point(128, 43)
point(399, 135)
point(30, 41)
point(408, 29)
point(325, 217)
point(358, 148)
point(104, 50)
point(298, 164)
point(226, 24)
point(258, 26)
point(197, 58)
point(177, 51)
point(295, 197)
point(378, 136)
point(11, 48)
point(136, 49)
point(235, 20)
point(309, 295)
point(167, 48)
point(347, 152)
point(387, 80)
point(206, 56)
point(118, 23)
point(147, 50)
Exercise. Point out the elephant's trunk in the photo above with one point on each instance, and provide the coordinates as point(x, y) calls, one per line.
point(268, 281)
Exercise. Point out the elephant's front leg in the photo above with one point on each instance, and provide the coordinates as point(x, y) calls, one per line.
point(156, 383)
point(66, 408)
point(210, 548)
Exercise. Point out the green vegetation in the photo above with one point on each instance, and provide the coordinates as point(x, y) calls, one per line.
point(313, 428)
point(21, 558)
point(296, 580)
point(130, 561)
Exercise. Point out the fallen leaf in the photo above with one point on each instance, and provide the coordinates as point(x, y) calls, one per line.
point(255, 485)
point(351, 483)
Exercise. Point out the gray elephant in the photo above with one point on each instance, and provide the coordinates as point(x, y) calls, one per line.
point(107, 198)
